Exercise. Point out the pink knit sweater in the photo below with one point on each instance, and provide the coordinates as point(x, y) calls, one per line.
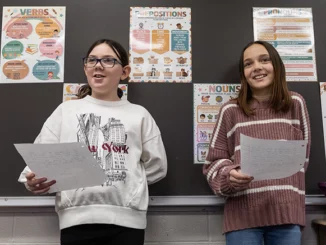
point(267, 202)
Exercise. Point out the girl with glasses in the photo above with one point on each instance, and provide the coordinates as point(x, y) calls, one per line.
point(127, 144)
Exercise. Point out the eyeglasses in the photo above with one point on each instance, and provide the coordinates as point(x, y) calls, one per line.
point(105, 62)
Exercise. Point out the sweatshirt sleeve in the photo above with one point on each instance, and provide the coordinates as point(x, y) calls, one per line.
point(50, 133)
point(153, 152)
point(218, 162)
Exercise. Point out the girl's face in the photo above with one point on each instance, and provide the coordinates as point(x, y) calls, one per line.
point(104, 81)
point(258, 69)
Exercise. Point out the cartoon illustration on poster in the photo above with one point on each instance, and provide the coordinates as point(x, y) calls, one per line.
point(160, 45)
point(208, 99)
point(32, 44)
point(70, 91)
point(291, 32)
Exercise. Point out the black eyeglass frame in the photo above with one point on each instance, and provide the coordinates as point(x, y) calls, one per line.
point(115, 61)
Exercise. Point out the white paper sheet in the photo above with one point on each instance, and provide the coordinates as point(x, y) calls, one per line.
point(271, 159)
point(70, 164)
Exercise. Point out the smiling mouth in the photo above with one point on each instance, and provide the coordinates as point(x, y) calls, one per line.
point(259, 76)
point(98, 76)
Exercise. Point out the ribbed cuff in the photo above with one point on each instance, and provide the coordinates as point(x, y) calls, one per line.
point(225, 185)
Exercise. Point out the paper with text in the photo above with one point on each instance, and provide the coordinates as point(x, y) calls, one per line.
point(70, 164)
point(271, 159)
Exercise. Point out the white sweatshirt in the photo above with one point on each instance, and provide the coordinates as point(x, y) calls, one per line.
point(126, 143)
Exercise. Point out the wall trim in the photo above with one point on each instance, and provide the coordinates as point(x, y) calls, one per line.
point(48, 201)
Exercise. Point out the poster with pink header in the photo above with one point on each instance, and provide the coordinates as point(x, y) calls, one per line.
point(160, 45)
point(32, 44)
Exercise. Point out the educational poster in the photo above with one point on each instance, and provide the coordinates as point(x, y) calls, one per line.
point(32, 44)
point(291, 32)
point(160, 45)
point(208, 99)
point(323, 108)
point(70, 91)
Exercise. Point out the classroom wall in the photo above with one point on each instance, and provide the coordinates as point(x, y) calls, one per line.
point(166, 226)
point(169, 225)
point(219, 31)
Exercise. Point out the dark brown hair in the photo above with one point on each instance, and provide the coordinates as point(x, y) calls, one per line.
point(280, 99)
point(122, 56)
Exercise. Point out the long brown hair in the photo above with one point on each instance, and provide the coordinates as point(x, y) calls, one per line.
point(121, 54)
point(280, 99)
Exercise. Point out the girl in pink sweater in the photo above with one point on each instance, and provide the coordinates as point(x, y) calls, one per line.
point(269, 212)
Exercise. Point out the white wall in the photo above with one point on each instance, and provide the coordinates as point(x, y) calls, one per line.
point(166, 226)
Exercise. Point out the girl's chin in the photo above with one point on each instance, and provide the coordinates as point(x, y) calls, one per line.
point(97, 85)
point(97, 81)
point(101, 89)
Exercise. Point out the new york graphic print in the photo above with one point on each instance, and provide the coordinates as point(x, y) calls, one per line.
point(107, 142)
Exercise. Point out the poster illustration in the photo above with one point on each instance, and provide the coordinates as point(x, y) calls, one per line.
point(208, 99)
point(32, 44)
point(160, 45)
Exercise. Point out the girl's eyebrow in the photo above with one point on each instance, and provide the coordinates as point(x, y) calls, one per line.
point(260, 56)
point(104, 56)
point(248, 59)
point(111, 56)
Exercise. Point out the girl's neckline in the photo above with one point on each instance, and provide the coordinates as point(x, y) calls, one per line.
point(262, 98)
point(105, 102)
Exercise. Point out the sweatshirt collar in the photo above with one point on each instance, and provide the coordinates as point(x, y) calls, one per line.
point(104, 102)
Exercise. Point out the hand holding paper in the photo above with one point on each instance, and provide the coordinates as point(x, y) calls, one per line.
point(239, 180)
point(271, 159)
point(38, 185)
point(70, 164)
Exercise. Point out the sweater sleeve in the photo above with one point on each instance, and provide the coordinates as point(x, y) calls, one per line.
point(49, 134)
point(153, 152)
point(305, 127)
point(218, 162)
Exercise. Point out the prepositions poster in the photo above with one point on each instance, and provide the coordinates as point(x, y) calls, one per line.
point(160, 45)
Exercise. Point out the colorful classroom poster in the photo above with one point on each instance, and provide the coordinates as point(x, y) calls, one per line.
point(208, 99)
point(32, 44)
point(323, 108)
point(160, 45)
point(70, 91)
point(291, 32)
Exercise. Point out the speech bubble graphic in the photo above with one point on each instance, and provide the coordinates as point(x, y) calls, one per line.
point(12, 50)
point(46, 70)
point(47, 29)
point(19, 29)
point(51, 48)
point(15, 69)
